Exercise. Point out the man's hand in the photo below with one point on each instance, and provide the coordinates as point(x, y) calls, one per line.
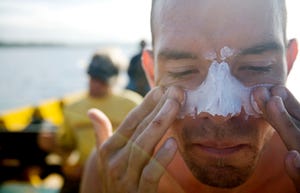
point(282, 111)
point(127, 161)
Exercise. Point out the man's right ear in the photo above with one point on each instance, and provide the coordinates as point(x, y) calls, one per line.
point(148, 65)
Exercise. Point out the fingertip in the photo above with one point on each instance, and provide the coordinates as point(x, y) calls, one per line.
point(91, 113)
point(166, 153)
point(99, 120)
point(276, 104)
point(254, 105)
point(259, 97)
point(280, 91)
point(292, 164)
point(177, 93)
point(97, 116)
point(170, 144)
point(296, 160)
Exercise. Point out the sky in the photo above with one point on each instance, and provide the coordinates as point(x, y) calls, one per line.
point(97, 21)
point(87, 21)
point(74, 20)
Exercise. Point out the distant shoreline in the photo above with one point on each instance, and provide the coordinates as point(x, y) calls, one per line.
point(4, 44)
point(30, 44)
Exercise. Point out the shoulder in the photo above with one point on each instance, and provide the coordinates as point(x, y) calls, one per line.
point(128, 96)
point(136, 58)
point(132, 96)
point(76, 105)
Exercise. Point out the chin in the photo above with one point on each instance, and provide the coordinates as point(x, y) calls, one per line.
point(221, 177)
point(222, 154)
point(222, 172)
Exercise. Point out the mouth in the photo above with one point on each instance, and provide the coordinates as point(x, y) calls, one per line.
point(220, 150)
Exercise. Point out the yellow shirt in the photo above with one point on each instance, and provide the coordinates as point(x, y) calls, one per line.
point(78, 132)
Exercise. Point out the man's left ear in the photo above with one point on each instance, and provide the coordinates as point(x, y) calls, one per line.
point(148, 65)
point(291, 54)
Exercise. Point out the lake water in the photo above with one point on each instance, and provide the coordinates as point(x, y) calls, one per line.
point(30, 75)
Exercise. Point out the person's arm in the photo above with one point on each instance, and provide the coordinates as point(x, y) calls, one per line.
point(126, 161)
point(281, 109)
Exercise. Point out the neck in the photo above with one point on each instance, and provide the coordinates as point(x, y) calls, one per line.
point(99, 93)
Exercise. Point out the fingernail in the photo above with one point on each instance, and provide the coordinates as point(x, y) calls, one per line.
point(279, 103)
point(297, 160)
point(255, 105)
point(170, 143)
point(280, 91)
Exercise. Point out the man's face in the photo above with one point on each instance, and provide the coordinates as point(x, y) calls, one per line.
point(97, 88)
point(219, 152)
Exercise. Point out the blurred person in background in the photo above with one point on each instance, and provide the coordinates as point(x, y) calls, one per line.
point(137, 78)
point(75, 139)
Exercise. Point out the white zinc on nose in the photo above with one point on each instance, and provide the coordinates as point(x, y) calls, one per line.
point(220, 93)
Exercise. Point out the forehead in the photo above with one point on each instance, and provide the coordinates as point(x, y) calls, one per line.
point(205, 25)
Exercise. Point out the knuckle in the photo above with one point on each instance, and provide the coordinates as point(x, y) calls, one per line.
point(131, 117)
point(104, 149)
point(289, 123)
point(156, 123)
point(156, 93)
point(114, 170)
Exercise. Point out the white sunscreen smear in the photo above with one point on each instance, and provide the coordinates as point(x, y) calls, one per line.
point(220, 94)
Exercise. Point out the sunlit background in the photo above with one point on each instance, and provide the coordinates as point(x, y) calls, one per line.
point(30, 74)
point(74, 21)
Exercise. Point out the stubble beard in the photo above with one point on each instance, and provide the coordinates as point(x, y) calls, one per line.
point(221, 174)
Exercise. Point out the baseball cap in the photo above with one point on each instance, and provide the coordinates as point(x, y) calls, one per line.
point(102, 67)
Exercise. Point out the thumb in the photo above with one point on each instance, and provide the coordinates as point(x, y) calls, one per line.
point(102, 125)
point(292, 164)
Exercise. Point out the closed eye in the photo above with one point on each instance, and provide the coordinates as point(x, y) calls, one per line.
point(257, 68)
point(183, 73)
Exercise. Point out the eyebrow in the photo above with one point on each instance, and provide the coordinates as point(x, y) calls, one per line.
point(176, 55)
point(262, 48)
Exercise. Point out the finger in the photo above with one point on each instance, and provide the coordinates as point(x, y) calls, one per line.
point(171, 92)
point(162, 121)
point(103, 130)
point(280, 119)
point(261, 96)
point(142, 149)
point(128, 127)
point(276, 114)
point(292, 165)
point(144, 123)
point(137, 153)
point(157, 167)
point(290, 102)
point(102, 125)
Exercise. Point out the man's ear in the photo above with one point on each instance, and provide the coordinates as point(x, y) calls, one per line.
point(291, 54)
point(148, 65)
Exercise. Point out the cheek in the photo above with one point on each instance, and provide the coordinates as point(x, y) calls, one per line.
point(265, 132)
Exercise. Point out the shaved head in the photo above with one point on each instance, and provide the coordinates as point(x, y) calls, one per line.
point(279, 7)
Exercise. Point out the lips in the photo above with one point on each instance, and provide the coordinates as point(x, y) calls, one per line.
point(220, 149)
